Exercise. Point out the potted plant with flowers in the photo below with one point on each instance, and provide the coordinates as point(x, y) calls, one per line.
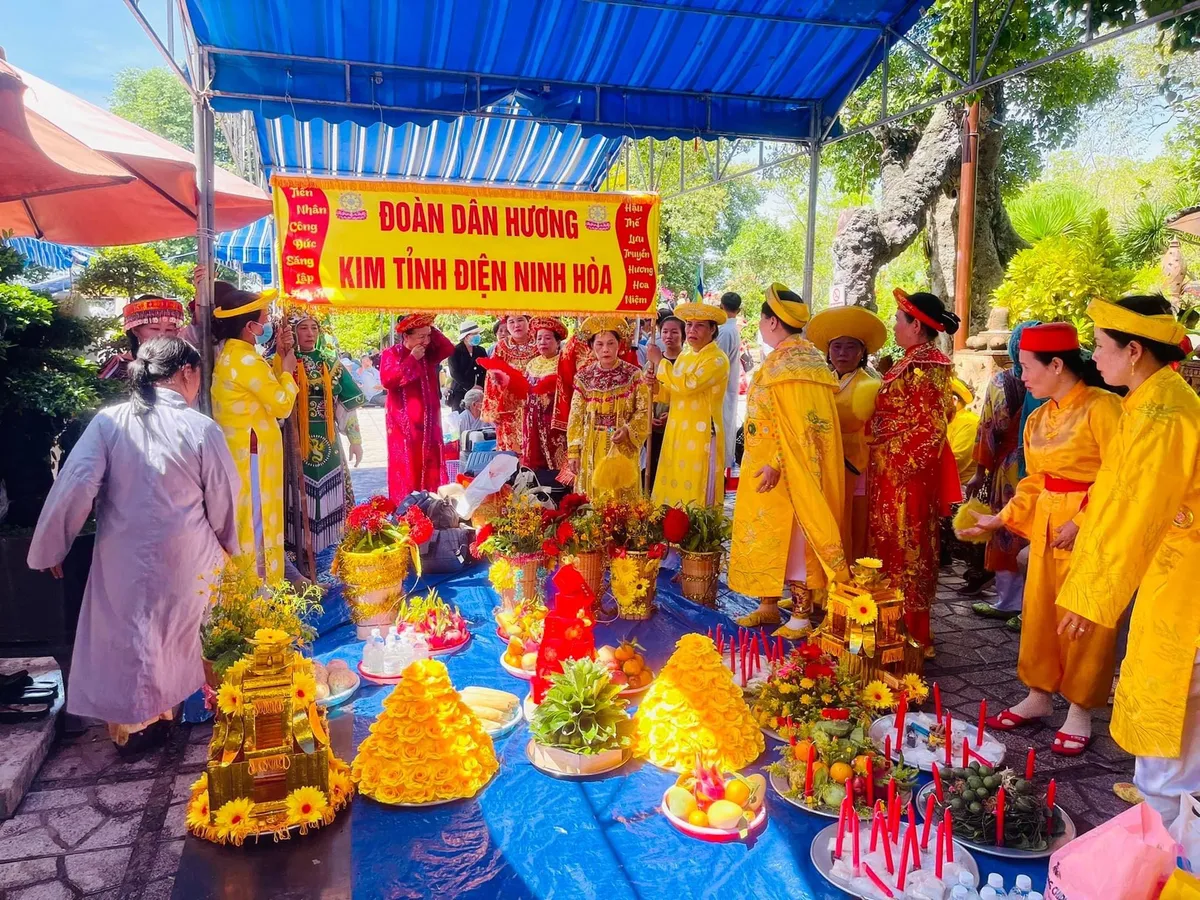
point(514, 537)
point(700, 533)
point(373, 559)
point(241, 605)
point(635, 528)
point(575, 534)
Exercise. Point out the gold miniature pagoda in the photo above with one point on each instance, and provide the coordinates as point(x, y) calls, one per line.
point(270, 767)
point(864, 626)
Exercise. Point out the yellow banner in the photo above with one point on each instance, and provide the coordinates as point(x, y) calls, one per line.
point(401, 245)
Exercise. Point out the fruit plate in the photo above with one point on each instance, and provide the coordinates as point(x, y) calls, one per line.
point(636, 691)
point(1068, 835)
point(514, 671)
point(717, 835)
point(378, 679)
point(922, 757)
point(342, 696)
point(823, 859)
point(562, 764)
point(780, 786)
point(450, 651)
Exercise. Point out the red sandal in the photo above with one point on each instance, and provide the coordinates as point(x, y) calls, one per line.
point(1061, 739)
point(1008, 720)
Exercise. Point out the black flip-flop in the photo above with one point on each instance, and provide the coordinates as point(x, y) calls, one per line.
point(11, 715)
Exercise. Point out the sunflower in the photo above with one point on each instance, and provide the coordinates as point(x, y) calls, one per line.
point(271, 636)
point(915, 687)
point(877, 695)
point(870, 562)
point(304, 688)
point(306, 806)
point(238, 668)
point(827, 699)
point(229, 699)
point(233, 819)
point(863, 610)
point(197, 812)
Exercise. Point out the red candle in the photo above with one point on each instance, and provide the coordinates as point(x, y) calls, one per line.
point(1051, 790)
point(982, 717)
point(949, 737)
point(966, 753)
point(721, 643)
point(928, 821)
point(937, 702)
point(941, 848)
point(887, 853)
point(883, 888)
point(841, 828)
point(937, 785)
point(901, 712)
point(732, 657)
point(893, 807)
point(808, 769)
point(742, 652)
point(1029, 765)
point(912, 817)
point(1000, 817)
point(854, 838)
point(876, 825)
point(949, 837)
point(916, 854)
point(887, 746)
point(871, 781)
point(903, 876)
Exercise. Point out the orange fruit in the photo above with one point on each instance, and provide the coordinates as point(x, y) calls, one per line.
point(624, 652)
point(801, 750)
point(860, 764)
point(633, 666)
point(841, 772)
point(698, 817)
point(737, 791)
point(818, 768)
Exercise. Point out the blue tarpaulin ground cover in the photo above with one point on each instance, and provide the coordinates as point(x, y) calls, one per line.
point(530, 835)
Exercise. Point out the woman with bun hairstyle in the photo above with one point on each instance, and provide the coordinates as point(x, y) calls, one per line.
point(1141, 533)
point(1065, 440)
point(248, 400)
point(913, 479)
point(164, 489)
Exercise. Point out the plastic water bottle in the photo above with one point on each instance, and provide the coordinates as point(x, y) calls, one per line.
point(1034, 895)
point(373, 652)
point(958, 893)
point(967, 882)
point(996, 883)
point(989, 893)
point(1022, 889)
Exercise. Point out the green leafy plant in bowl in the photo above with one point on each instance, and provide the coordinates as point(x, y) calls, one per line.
point(582, 712)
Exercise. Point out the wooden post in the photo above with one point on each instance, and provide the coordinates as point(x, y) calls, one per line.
point(966, 226)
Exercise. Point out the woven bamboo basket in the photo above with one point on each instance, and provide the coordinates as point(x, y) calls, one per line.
point(592, 565)
point(700, 576)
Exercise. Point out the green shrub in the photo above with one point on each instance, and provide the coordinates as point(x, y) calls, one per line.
point(1056, 279)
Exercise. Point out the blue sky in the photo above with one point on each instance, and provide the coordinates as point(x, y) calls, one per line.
point(78, 45)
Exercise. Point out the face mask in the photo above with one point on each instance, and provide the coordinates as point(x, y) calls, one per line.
point(475, 340)
point(265, 338)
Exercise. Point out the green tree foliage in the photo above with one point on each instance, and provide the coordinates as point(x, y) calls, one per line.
point(358, 333)
point(699, 225)
point(155, 100)
point(44, 382)
point(1040, 111)
point(1056, 279)
point(129, 272)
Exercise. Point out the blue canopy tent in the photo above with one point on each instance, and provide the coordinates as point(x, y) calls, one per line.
point(51, 256)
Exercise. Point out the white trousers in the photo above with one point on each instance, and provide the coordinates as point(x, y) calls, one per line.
point(1163, 780)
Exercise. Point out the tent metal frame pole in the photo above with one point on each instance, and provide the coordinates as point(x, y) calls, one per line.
point(814, 177)
point(167, 54)
point(203, 125)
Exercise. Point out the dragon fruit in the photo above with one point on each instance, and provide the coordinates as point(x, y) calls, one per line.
point(709, 785)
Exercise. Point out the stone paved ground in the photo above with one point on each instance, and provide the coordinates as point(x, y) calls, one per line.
point(99, 827)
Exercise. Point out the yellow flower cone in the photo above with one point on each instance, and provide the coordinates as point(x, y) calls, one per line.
point(427, 745)
point(693, 707)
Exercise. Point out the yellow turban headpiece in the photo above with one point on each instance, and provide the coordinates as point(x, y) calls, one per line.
point(619, 325)
point(790, 312)
point(1164, 329)
point(701, 312)
point(262, 301)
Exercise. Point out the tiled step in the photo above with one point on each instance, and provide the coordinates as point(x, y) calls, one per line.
point(25, 746)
